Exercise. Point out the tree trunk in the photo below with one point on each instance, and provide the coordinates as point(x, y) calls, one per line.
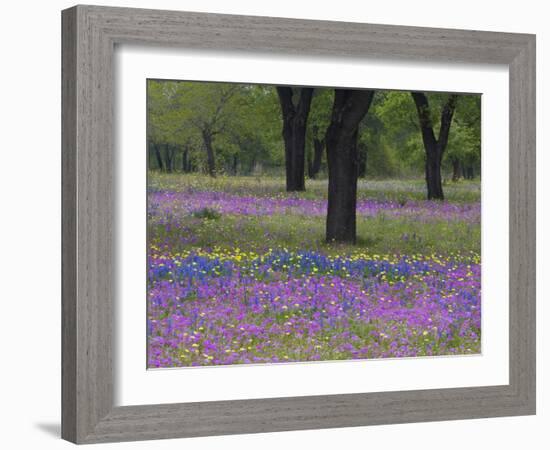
point(185, 160)
point(235, 164)
point(252, 165)
point(318, 147)
point(434, 148)
point(456, 169)
point(210, 160)
point(295, 115)
point(294, 137)
point(433, 176)
point(350, 106)
point(342, 188)
point(158, 156)
point(169, 155)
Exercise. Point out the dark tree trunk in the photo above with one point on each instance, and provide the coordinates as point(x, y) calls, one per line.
point(433, 176)
point(235, 165)
point(433, 147)
point(210, 159)
point(252, 164)
point(169, 153)
point(295, 115)
point(294, 136)
point(350, 106)
point(342, 188)
point(185, 160)
point(158, 156)
point(456, 169)
point(318, 147)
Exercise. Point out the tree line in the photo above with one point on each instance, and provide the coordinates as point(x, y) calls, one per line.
point(236, 128)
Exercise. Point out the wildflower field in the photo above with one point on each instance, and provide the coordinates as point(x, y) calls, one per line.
point(239, 273)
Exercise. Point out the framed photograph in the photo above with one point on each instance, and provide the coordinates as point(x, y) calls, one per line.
point(278, 224)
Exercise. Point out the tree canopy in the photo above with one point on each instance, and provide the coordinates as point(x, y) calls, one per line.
point(235, 129)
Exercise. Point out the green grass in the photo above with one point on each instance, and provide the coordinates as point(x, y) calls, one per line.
point(398, 190)
point(377, 234)
point(382, 234)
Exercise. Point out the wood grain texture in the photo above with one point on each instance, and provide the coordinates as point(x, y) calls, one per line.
point(68, 226)
point(523, 224)
point(88, 210)
point(89, 36)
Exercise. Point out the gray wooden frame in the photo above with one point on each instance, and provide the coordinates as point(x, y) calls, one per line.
point(89, 36)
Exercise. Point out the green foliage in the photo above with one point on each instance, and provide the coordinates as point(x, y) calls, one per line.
point(244, 122)
point(465, 138)
point(399, 138)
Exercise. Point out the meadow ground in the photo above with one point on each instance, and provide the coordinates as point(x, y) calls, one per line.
point(238, 272)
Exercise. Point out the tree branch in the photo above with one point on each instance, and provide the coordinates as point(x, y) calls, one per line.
point(350, 106)
point(285, 99)
point(225, 97)
point(446, 120)
point(425, 119)
point(304, 103)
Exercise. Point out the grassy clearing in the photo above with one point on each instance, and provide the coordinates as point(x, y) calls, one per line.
point(377, 234)
point(397, 190)
point(380, 234)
